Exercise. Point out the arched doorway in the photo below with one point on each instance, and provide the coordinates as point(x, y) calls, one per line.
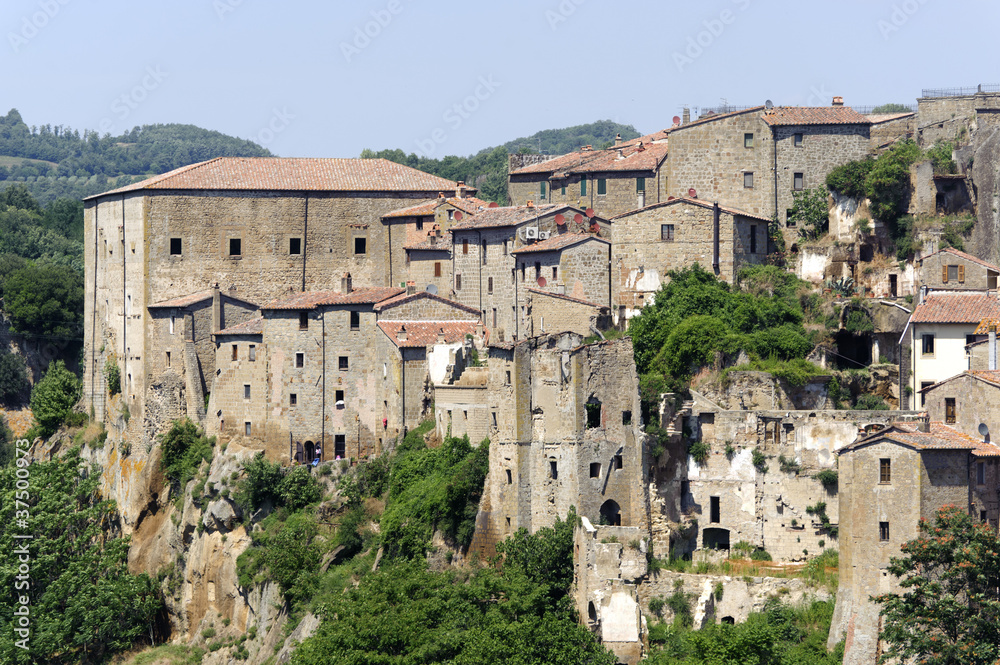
point(611, 513)
point(715, 538)
point(310, 452)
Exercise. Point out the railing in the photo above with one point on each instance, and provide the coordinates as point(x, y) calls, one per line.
point(959, 92)
point(728, 108)
point(869, 110)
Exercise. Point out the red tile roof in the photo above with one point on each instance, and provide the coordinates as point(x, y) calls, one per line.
point(183, 301)
point(506, 216)
point(443, 244)
point(470, 205)
point(817, 115)
point(563, 296)
point(558, 242)
point(401, 299)
point(251, 327)
point(293, 174)
point(940, 437)
point(425, 333)
point(991, 377)
point(561, 163)
point(952, 307)
point(631, 158)
point(962, 255)
point(314, 299)
point(716, 116)
point(697, 202)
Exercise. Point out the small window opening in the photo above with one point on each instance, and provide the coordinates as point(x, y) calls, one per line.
point(300, 359)
point(246, 391)
point(619, 462)
point(715, 510)
point(510, 478)
point(295, 246)
point(293, 399)
point(553, 470)
point(236, 352)
point(235, 247)
point(246, 428)
point(595, 469)
point(626, 417)
point(885, 471)
point(593, 414)
point(175, 246)
point(338, 396)
point(360, 246)
point(355, 320)
point(342, 363)
point(303, 321)
point(252, 355)
point(168, 359)
point(883, 531)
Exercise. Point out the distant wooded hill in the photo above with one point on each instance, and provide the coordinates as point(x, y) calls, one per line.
point(487, 169)
point(57, 162)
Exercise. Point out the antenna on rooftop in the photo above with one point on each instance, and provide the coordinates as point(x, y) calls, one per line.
point(984, 432)
point(432, 289)
point(769, 105)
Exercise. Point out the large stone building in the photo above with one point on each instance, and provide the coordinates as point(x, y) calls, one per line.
point(252, 227)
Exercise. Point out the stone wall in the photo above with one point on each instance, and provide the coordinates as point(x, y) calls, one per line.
point(933, 269)
point(422, 306)
point(551, 313)
point(621, 195)
point(430, 267)
point(941, 118)
point(886, 132)
point(462, 410)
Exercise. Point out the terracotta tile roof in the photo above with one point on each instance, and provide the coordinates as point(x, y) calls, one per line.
point(470, 205)
point(940, 437)
point(630, 159)
point(293, 174)
point(697, 202)
point(559, 164)
point(991, 377)
point(816, 115)
point(506, 216)
point(877, 118)
point(962, 255)
point(314, 299)
point(717, 116)
point(951, 307)
point(443, 244)
point(401, 299)
point(425, 333)
point(558, 242)
point(251, 327)
point(183, 301)
point(562, 296)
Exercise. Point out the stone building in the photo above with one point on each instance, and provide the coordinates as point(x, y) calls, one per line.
point(255, 227)
point(944, 115)
point(571, 264)
point(551, 311)
point(650, 242)
point(609, 182)
point(756, 159)
point(889, 481)
point(953, 269)
point(887, 128)
point(489, 276)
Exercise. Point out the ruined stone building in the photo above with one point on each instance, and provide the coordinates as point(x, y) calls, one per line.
point(889, 481)
point(942, 115)
point(651, 241)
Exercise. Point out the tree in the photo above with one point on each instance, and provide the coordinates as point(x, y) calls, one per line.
point(949, 611)
point(891, 108)
point(45, 299)
point(811, 212)
point(13, 376)
point(53, 398)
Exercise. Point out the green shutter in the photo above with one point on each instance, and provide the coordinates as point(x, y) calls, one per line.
point(602, 186)
point(583, 186)
point(542, 189)
point(640, 184)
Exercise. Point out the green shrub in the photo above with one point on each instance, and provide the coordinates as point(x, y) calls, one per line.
point(259, 484)
point(859, 321)
point(788, 465)
point(940, 156)
point(699, 451)
point(13, 376)
point(298, 488)
point(112, 375)
point(759, 460)
point(868, 402)
point(811, 212)
point(53, 398)
point(849, 179)
point(656, 606)
point(760, 554)
point(828, 477)
point(184, 448)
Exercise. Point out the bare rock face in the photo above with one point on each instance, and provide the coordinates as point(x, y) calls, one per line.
point(221, 515)
point(985, 242)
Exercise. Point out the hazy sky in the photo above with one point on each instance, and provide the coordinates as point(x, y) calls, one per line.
point(327, 79)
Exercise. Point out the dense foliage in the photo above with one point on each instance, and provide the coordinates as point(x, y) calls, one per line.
point(53, 397)
point(84, 603)
point(949, 609)
point(45, 300)
point(13, 376)
point(487, 169)
point(810, 212)
point(184, 447)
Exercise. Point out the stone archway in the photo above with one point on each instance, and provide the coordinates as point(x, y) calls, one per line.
point(610, 513)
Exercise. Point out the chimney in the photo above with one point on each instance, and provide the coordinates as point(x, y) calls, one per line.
point(923, 423)
point(401, 334)
point(838, 101)
point(530, 203)
point(460, 190)
point(618, 139)
point(993, 348)
point(411, 287)
point(686, 116)
point(345, 283)
point(621, 155)
point(441, 336)
point(440, 195)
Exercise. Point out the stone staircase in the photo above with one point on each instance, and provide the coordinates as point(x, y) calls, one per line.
point(675, 426)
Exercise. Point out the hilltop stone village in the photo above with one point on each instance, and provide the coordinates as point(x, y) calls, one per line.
point(318, 309)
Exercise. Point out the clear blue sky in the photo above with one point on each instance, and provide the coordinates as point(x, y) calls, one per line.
point(455, 77)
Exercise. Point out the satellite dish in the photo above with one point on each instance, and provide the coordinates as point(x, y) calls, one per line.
point(590, 212)
point(578, 218)
point(432, 289)
point(494, 204)
point(458, 215)
point(670, 198)
point(560, 220)
point(677, 120)
point(541, 281)
point(984, 431)
point(693, 193)
point(769, 105)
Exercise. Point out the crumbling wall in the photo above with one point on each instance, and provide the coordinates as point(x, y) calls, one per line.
point(986, 185)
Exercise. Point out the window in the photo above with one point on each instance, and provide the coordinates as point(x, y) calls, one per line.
point(797, 140)
point(175, 246)
point(949, 410)
point(458, 282)
point(494, 317)
point(626, 417)
point(595, 469)
point(342, 363)
point(798, 181)
point(173, 320)
point(715, 510)
point(338, 396)
point(340, 445)
point(562, 190)
point(640, 185)
point(982, 515)
point(593, 414)
point(538, 269)
point(293, 400)
point(300, 359)
point(303, 321)
point(748, 179)
point(246, 428)
point(927, 345)
point(482, 249)
point(507, 380)
point(753, 238)
point(884, 471)
point(465, 246)
point(602, 186)
point(619, 462)
point(252, 356)
point(510, 477)
point(583, 186)
point(555, 273)
point(923, 395)
point(246, 391)
point(541, 190)
point(667, 232)
point(235, 247)
point(883, 532)
point(493, 415)
point(790, 220)
point(980, 473)
point(295, 246)
point(360, 246)
point(522, 272)
point(420, 225)
point(748, 140)
point(236, 352)
point(553, 470)
point(168, 359)
point(355, 320)
point(953, 274)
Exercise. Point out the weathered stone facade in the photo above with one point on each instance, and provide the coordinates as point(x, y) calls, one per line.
point(550, 312)
point(953, 269)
